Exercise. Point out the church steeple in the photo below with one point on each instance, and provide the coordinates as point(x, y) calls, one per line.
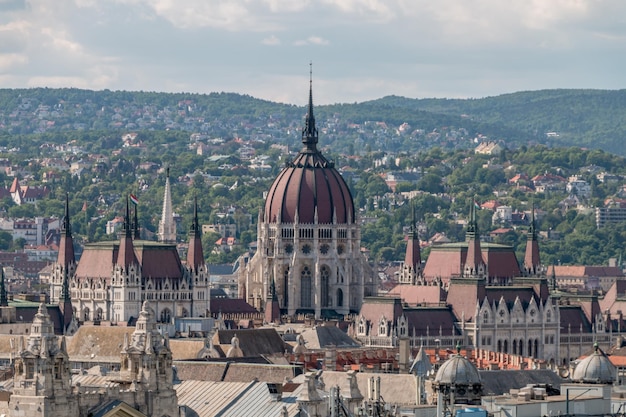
point(195, 254)
point(167, 228)
point(66, 243)
point(126, 255)
point(309, 133)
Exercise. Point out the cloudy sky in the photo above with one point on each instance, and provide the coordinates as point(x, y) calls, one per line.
point(360, 49)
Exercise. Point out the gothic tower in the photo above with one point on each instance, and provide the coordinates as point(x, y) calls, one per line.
point(411, 272)
point(167, 227)
point(64, 269)
point(197, 267)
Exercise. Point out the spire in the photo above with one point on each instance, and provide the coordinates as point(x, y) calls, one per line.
point(474, 264)
point(66, 243)
point(167, 229)
point(309, 133)
point(413, 257)
point(195, 254)
point(531, 257)
point(136, 229)
point(4, 301)
point(126, 254)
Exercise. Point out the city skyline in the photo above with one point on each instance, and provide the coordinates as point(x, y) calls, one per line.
point(360, 49)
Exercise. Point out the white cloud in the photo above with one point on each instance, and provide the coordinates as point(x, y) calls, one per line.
point(311, 40)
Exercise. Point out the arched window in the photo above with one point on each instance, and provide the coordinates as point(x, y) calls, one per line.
point(305, 282)
point(339, 297)
point(506, 346)
point(185, 313)
point(99, 315)
point(325, 277)
point(86, 314)
point(515, 347)
point(531, 354)
point(486, 317)
point(548, 316)
point(521, 347)
point(166, 315)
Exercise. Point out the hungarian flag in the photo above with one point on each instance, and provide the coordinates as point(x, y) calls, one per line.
point(476, 205)
point(134, 199)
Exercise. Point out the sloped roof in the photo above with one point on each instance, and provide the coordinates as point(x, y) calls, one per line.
point(573, 317)
point(200, 370)
point(207, 398)
point(183, 349)
point(230, 305)
point(157, 260)
point(502, 381)
point(418, 294)
point(394, 388)
point(588, 271)
point(253, 342)
point(445, 260)
point(244, 372)
point(97, 343)
point(424, 321)
point(321, 337)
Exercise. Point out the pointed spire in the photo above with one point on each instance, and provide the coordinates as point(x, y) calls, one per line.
point(126, 254)
point(167, 229)
point(136, 229)
point(309, 133)
point(66, 256)
point(195, 253)
point(474, 264)
point(532, 260)
point(413, 257)
point(4, 301)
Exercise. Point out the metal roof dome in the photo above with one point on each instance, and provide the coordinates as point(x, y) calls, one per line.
point(309, 189)
point(457, 370)
point(595, 368)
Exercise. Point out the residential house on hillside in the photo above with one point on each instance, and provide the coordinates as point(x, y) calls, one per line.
point(489, 148)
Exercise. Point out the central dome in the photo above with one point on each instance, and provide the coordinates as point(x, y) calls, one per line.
point(309, 189)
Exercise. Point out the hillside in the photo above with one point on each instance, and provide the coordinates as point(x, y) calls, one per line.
point(584, 118)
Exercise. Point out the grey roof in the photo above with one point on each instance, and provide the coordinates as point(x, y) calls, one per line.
point(595, 368)
point(500, 382)
point(457, 370)
point(398, 389)
point(209, 399)
point(321, 337)
point(220, 269)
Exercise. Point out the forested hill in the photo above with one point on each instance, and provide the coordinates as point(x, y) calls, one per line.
point(585, 118)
